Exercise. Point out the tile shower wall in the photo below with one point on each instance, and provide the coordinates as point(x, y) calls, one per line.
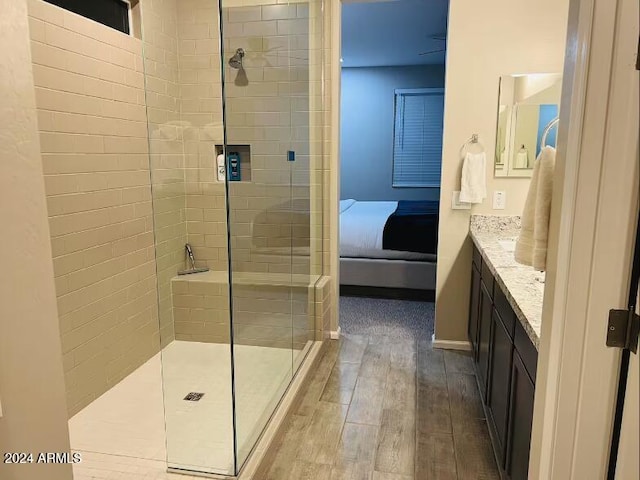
point(166, 147)
point(201, 115)
point(92, 122)
point(268, 107)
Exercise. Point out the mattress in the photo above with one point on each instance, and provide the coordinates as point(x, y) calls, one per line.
point(368, 228)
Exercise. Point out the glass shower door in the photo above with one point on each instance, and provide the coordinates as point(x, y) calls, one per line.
point(258, 136)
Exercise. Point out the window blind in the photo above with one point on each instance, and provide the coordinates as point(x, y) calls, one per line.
point(417, 146)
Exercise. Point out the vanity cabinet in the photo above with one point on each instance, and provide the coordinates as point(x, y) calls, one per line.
point(505, 363)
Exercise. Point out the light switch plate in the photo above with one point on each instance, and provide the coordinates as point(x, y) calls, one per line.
point(456, 204)
point(499, 200)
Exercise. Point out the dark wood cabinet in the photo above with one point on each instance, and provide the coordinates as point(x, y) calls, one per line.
point(484, 338)
point(505, 361)
point(500, 375)
point(520, 418)
point(474, 304)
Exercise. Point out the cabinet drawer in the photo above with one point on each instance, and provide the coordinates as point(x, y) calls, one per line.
point(527, 350)
point(507, 315)
point(477, 257)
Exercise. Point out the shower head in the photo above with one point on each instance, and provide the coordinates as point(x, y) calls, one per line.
point(236, 60)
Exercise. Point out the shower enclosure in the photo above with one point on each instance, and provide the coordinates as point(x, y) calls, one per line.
point(235, 112)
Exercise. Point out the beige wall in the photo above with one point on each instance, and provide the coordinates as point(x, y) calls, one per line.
point(33, 414)
point(93, 133)
point(486, 40)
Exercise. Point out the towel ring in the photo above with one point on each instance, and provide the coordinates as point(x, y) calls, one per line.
point(473, 140)
point(547, 129)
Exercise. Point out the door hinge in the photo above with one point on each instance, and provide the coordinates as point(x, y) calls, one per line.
point(623, 329)
point(638, 55)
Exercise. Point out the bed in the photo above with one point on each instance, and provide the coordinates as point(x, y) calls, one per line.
point(388, 244)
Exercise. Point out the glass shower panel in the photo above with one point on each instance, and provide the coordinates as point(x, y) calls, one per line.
point(304, 89)
point(258, 138)
point(184, 110)
point(272, 77)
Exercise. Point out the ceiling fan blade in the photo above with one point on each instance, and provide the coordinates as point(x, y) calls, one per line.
point(430, 52)
point(439, 36)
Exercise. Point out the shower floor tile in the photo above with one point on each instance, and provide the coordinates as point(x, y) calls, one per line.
point(123, 432)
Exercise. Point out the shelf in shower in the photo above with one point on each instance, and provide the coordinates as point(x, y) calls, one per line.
point(244, 151)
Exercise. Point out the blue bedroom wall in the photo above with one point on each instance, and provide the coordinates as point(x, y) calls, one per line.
point(366, 132)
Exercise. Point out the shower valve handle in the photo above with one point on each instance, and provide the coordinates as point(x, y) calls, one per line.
point(190, 255)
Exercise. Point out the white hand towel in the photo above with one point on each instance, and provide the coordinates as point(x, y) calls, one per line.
point(473, 184)
point(531, 247)
point(522, 159)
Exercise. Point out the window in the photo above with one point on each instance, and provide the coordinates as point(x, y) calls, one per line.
point(417, 143)
point(112, 13)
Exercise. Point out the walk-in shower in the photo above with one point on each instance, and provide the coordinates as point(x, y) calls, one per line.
point(234, 336)
point(184, 170)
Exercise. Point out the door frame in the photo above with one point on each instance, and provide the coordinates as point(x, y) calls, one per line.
point(596, 180)
point(597, 173)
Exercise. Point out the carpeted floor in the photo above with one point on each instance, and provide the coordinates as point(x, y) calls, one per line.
point(408, 319)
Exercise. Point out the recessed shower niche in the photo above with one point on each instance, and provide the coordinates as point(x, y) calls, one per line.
point(236, 153)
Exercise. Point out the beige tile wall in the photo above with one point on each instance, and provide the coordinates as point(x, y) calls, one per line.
point(201, 114)
point(166, 148)
point(92, 121)
point(271, 109)
point(269, 310)
point(201, 307)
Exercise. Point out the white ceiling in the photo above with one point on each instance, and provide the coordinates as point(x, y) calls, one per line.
point(391, 33)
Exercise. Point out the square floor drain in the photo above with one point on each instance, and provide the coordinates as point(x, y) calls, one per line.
point(194, 396)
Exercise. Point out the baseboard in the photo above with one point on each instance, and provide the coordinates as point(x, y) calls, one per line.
point(335, 334)
point(450, 344)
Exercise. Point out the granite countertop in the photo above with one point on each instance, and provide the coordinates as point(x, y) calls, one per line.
point(523, 286)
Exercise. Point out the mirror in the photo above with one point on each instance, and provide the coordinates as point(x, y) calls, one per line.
point(527, 106)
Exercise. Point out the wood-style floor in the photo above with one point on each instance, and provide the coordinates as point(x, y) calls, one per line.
point(387, 408)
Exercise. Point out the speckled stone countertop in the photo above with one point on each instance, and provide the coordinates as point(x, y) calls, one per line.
point(523, 286)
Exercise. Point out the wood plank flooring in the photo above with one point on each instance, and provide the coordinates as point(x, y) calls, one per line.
point(381, 407)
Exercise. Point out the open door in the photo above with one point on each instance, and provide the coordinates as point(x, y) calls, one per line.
point(624, 461)
point(623, 328)
point(624, 325)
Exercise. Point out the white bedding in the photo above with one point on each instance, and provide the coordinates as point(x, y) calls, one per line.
point(361, 230)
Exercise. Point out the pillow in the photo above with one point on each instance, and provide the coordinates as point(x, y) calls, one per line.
point(345, 204)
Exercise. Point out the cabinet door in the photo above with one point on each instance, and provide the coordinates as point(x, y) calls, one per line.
point(474, 309)
point(484, 337)
point(520, 419)
point(500, 384)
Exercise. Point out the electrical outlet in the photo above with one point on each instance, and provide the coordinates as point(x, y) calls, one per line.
point(456, 204)
point(499, 200)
